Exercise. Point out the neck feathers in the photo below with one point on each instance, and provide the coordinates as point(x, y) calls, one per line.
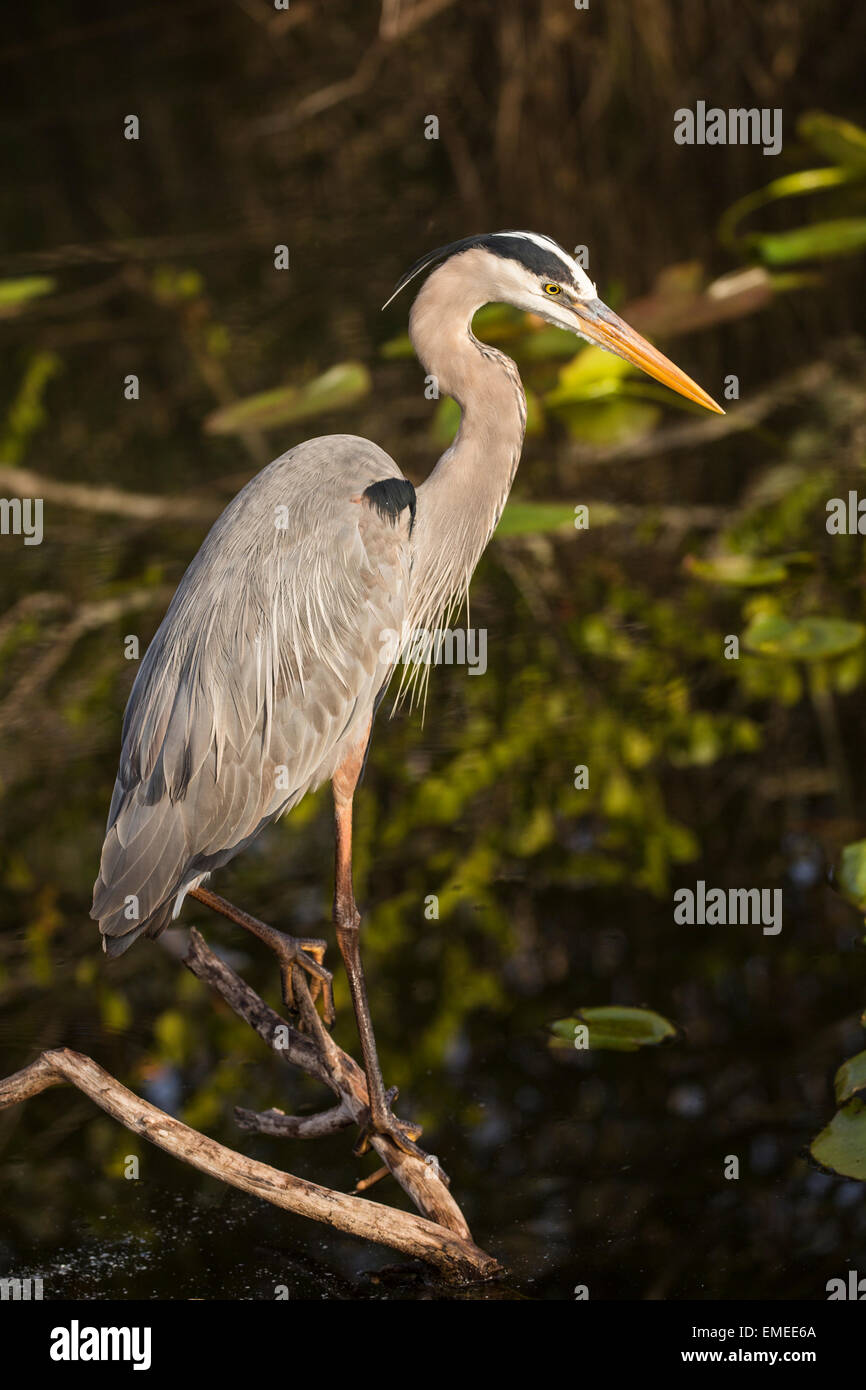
point(461, 502)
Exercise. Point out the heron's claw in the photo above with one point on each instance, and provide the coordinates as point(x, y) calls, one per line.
point(385, 1122)
point(307, 954)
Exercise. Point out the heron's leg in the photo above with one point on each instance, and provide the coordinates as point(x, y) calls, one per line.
point(289, 950)
point(347, 921)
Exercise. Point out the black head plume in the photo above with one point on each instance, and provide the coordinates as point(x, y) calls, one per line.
point(537, 253)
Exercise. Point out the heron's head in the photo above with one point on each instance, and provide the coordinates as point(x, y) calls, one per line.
point(535, 274)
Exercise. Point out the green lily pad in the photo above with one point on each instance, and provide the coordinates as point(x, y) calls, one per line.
point(337, 389)
point(850, 1078)
point(746, 571)
point(841, 1147)
point(850, 876)
point(808, 639)
point(613, 1029)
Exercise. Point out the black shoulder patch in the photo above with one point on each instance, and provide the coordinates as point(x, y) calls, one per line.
point(390, 497)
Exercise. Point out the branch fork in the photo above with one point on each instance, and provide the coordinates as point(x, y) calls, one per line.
point(439, 1235)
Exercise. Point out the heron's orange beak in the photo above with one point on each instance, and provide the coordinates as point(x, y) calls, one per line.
point(601, 325)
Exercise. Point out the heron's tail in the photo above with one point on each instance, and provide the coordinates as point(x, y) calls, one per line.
point(118, 933)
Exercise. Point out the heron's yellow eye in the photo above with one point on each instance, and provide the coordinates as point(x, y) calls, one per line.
point(552, 289)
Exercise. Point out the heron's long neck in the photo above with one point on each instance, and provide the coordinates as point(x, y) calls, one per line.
point(461, 502)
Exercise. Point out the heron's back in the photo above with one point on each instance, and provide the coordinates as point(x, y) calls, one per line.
point(261, 676)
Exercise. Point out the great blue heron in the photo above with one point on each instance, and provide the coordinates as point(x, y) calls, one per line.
point(266, 671)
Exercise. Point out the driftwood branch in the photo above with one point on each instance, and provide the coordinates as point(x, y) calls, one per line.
point(110, 501)
point(439, 1235)
point(277, 1123)
point(455, 1257)
point(17, 706)
point(315, 1052)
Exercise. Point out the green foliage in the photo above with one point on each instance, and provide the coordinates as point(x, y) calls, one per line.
point(337, 389)
point(15, 295)
point(613, 1028)
point(840, 141)
point(820, 239)
point(742, 571)
point(841, 1147)
point(533, 518)
point(27, 413)
point(606, 650)
point(850, 1078)
point(806, 639)
point(600, 399)
point(851, 874)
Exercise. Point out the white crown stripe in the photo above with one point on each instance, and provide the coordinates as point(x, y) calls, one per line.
point(548, 244)
point(573, 272)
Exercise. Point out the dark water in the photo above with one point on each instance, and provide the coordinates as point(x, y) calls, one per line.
point(605, 648)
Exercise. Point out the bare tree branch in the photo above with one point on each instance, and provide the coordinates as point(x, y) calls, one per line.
point(17, 706)
point(283, 1126)
point(137, 505)
point(455, 1257)
point(315, 1052)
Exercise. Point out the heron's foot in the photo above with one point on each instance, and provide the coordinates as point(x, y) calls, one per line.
point(382, 1120)
point(307, 954)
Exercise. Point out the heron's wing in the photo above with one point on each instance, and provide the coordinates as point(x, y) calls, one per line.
point(261, 676)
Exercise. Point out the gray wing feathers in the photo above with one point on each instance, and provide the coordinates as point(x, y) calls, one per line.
point(262, 673)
